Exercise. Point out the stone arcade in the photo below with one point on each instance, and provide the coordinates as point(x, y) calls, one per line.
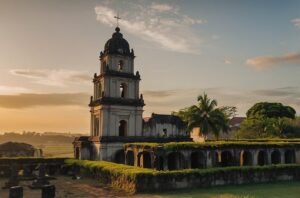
point(117, 106)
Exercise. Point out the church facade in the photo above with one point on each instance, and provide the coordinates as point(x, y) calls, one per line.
point(116, 108)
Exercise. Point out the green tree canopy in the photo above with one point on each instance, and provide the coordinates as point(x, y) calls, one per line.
point(207, 116)
point(270, 110)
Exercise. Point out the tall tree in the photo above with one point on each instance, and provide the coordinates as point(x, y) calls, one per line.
point(267, 119)
point(207, 116)
point(271, 110)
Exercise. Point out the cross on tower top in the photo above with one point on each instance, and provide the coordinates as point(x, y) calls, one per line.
point(117, 18)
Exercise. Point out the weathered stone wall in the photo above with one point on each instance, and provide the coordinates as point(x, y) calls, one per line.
point(235, 176)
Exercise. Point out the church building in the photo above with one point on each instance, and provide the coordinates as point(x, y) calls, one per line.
point(116, 108)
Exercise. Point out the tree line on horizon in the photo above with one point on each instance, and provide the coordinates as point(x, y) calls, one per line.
point(264, 119)
point(37, 138)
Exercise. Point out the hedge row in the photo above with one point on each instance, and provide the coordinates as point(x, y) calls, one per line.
point(134, 179)
point(215, 145)
point(117, 175)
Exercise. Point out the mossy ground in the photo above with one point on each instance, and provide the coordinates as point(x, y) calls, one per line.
point(270, 190)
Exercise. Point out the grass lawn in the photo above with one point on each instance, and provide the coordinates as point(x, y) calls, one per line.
point(270, 190)
point(56, 150)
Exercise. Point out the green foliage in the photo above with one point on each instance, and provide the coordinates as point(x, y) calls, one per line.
point(133, 179)
point(268, 120)
point(207, 116)
point(176, 146)
point(270, 110)
point(117, 175)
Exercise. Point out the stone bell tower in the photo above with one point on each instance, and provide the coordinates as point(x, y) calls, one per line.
point(116, 106)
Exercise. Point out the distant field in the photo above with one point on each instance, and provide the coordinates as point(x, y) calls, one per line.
point(56, 150)
point(271, 190)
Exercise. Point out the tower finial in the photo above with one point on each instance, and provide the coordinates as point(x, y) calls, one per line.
point(117, 18)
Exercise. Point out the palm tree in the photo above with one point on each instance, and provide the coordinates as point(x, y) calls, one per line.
point(206, 116)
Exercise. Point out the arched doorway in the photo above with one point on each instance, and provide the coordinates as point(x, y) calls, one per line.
point(276, 157)
point(289, 157)
point(130, 158)
point(262, 158)
point(120, 157)
point(122, 128)
point(247, 158)
point(144, 159)
point(198, 160)
point(226, 158)
point(175, 161)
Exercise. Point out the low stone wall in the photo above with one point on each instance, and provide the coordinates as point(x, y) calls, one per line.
point(134, 179)
point(171, 180)
point(28, 165)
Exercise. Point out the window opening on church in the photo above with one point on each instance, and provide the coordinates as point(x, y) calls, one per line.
point(123, 90)
point(121, 64)
point(122, 128)
point(165, 132)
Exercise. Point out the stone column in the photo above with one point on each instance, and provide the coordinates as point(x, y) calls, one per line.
point(16, 192)
point(209, 159)
point(282, 157)
point(255, 156)
point(269, 157)
point(187, 156)
point(48, 191)
point(166, 162)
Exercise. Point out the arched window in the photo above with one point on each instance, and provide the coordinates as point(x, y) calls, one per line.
point(276, 157)
point(198, 160)
point(226, 158)
point(130, 158)
point(262, 158)
point(120, 157)
point(123, 90)
point(121, 65)
point(122, 128)
point(176, 161)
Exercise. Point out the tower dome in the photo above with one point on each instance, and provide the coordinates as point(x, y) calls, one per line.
point(117, 44)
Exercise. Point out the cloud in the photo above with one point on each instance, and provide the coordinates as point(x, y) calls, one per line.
point(163, 24)
point(48, 99)
point(161, 7)
point(227, 61)
point(167, 101)
point(10, 90)
point(48, 77)
point(264, 62)
point(296, 22)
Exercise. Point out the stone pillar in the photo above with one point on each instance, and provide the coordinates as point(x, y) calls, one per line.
point(154, 160)
point(48, 191)
point(16, 192)
point(255, 156)
point(269, 157)
point(187, 156)
point(282, 157)
point(209, 159)
point(166, 162)
point(135, 157)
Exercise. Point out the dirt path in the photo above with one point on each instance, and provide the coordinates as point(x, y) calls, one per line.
point(68, 188)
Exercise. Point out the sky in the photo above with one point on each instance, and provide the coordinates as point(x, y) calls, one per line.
point(238, 52)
